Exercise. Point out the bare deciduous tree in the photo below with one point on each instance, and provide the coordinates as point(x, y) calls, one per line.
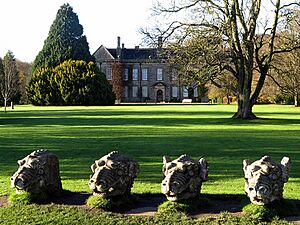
point(287, 76)
point(287, 65)
point(197, 59)
point(9, 78)
point(247, 32)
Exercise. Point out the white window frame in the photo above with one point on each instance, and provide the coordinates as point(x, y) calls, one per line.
point(109, 73)
point(145, 92)
point(174, 74)
point(135, 74)
point(134, 91)
point(196, 92)
point(126, 74)
point(159, 74)
point(175, 92)
point(185, 92)
point(144, 74)
point(126, 91)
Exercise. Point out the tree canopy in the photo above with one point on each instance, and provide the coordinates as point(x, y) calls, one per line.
point(248, 37)
point(65, 41)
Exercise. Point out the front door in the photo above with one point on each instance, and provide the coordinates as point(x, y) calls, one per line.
point(159, 96)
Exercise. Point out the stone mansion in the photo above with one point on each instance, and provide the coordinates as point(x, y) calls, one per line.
point(140, 74)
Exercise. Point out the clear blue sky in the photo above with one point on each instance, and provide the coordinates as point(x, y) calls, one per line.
point(25, 25)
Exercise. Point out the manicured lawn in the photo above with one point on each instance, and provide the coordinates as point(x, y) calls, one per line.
point(80, 135)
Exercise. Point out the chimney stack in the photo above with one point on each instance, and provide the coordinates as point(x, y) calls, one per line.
point(119, 42)
point(119, 51)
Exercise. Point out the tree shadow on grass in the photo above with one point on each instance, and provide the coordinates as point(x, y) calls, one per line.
point(212, 203)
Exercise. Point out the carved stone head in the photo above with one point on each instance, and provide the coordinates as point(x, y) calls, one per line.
point(113, 175)
point(38, 173)
point(183, 177)
point(265, 179)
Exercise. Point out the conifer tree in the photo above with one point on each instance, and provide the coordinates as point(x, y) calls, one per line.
point(65, 41)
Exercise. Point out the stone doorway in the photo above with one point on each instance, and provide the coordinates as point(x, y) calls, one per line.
point(159, 96)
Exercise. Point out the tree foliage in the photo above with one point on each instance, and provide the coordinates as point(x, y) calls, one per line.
point(65, 41)
point(248, 37)
point(195, 57)
point(42, 90)
point(24, 69)
point(117, 80)
point(74, 82)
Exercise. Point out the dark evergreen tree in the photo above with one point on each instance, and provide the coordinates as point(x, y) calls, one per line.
point(65, 41)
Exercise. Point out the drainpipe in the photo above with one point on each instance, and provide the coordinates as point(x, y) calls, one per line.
point(140, 82)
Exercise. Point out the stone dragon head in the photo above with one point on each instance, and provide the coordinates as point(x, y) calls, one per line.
point(183, 177)
point(113, 175)
point(38, 173)
point(264, 179)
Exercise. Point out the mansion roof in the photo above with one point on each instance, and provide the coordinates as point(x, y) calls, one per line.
point(137, 54)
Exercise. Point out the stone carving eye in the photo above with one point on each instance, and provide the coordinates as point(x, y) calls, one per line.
point(101, 163)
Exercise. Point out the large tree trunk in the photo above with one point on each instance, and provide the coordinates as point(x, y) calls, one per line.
point(244, 110)
point(245, 76)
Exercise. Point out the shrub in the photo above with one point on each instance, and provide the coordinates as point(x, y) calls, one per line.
point(42, 88)
point(74, 82)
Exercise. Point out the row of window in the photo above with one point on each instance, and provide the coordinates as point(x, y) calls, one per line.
point(135, 74)
point(145, 93)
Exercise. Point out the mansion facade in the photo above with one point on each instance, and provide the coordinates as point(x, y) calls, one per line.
point(140, 74)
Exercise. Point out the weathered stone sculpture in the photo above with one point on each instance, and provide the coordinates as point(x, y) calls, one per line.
point(38, 173)
point(113, 175)
point(183, 177)
point(265, 179)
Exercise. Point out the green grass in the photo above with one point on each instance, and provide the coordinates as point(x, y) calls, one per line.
point(283, 208)
point(19, 199)
point(186, 205)
point(115, 203)
point(80, 135)
point(52, 214)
